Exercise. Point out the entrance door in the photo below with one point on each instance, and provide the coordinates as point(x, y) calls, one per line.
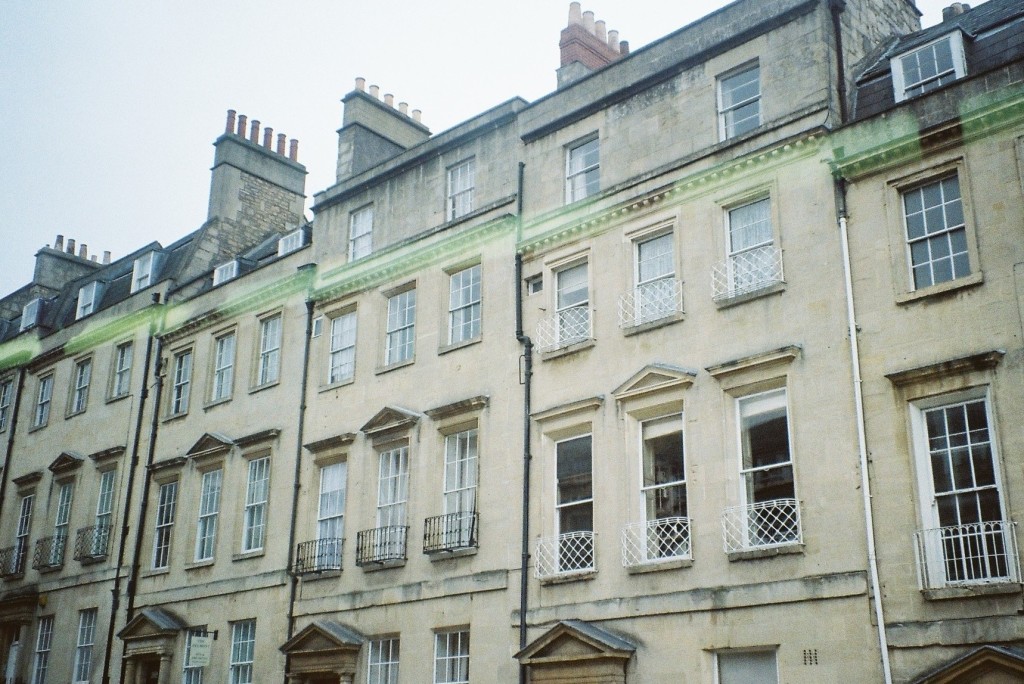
point(149, 671)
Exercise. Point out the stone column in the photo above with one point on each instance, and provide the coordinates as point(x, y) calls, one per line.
point(346, 678)
point(164, 676)
point(129, 670)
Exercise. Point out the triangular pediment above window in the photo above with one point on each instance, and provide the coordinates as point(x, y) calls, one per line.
point(986, 664)
point(656, 377)
point(575, 641)
point(209, 444)
point(390, 419)
point(152, 622)
point(66, 462)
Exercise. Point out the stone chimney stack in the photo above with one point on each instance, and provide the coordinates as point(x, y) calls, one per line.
point(252, 184)
point(374, 131)
point(954, 10)
point(586, 45)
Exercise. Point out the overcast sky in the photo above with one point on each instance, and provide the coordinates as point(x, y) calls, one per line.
point(108, 109)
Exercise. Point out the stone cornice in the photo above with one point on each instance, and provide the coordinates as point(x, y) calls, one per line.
point(959, 366)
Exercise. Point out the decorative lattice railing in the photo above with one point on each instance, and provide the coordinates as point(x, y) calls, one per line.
point(761, 525)
point(564, 328)
point(746, 272)
point(655, 541)
point(650, 302)
point(564, 554)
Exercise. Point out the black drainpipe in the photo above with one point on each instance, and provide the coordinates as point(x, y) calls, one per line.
point(836, 8)
point(297, 484)
point(527, 384)
point(12, 427)
point(115, 592)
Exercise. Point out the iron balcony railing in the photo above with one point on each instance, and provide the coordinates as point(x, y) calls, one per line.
point(92, 543)
point(656, 541)
point(959, 555)
point(565, 554)
point(746, 272)
point(450, 532)
point(566, 327)
point(12, 561)
point(762, 525)
point(650, 302)
point(318, 555)
point(381, 545)
point(49, 552)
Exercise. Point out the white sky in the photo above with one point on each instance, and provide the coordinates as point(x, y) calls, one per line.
point(108, 109)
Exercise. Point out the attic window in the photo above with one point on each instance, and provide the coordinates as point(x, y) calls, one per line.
point(88, 297)
point(225, 272)
point(144, 271)
point(291, 242)
point(30, 314)
point(929, 67)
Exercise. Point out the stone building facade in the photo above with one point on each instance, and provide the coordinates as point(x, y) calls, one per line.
point(703, 367)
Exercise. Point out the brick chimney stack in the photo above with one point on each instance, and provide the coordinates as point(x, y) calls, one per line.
point(586, 45)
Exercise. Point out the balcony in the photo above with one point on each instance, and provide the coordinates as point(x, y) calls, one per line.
point(12, 561)
point(319, 555)
point(746, 273)
point(381, 545)
point(566, 328)
point(650, 302)
point(92, 543)
point(565, 555)
point(656, 541)
point(968, 555)
point(49, 553)
point(451, 532)
point(765, 525)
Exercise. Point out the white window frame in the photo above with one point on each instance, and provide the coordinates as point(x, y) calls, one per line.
point(360, 233)
point(122, 377)
point(461, 471)
point(564, 307)
point(341, 359)
point(61, 522)
point(461, 186)
point(382, 661)
point(727, 125)
point(30, 314)
point(88, 298)
point(898, 67)
point(451, 657)
point(269, 361)
point(209, 510)
point(770, 400)
point(579, 174)
point(290, 242)
point(400, 339)
point(163, 531)
point(649, 484)
point(393, 487)
point(740, 652)
point(243, 651)
point(733, 252)
point(80, 390)
point(464, 305)
point(222, 383)
point(654, 293)
point(82, 670)
point(566, 506)
point(949, 209)
point(254, 515)
point(225, 272)
point(22, 532)
point(44, 399)
point(330, 513)
point(6, 398)
point(192, 674)
point(181, 383)
point(144, 269)
point(44, 643)
point(104, 512)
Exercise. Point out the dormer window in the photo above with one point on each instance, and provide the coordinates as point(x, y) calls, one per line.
point(88, 298)
point(291, 242)
point(144, 270)
point(929, 67)
point(30, 314)
point(225, 272)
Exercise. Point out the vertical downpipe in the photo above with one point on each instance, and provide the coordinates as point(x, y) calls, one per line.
point(527, 385)
point(12, 428)
point(858, 400)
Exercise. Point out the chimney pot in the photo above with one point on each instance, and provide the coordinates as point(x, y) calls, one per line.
point(389, 100)
point(229, 127)
point(293, 150)
point(623, 47)
point(268, 137)
point(254, 131)
point(280, 143)
point(83, 251)
point(58, 244)
point(404, 108)
point(242, 119)
point(575, 13)
point(588, 22)
point(375, 92)
point(106, 256)
point(602, 33)
point(360, 83)
point(613, 40)
point(416, 114)
point(71, 245)
point(94, 259)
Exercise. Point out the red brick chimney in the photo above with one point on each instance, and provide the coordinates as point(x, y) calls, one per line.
point(586, 46)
